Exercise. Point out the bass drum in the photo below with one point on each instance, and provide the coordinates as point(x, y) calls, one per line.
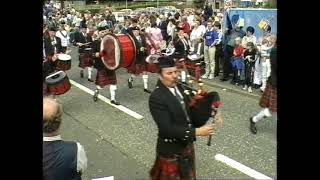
point(117, 51)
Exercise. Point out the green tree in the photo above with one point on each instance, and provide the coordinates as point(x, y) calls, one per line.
point(199, 3)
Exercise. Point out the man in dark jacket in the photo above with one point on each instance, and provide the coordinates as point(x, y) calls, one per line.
point(139, 66)
point(177, 127)
point(83, 40)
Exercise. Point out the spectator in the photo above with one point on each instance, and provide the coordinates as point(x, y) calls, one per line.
point(210, 40)
point(63, 160)
point(250, 56)
point(237, 62)
point(249, 37)
point(231, 35)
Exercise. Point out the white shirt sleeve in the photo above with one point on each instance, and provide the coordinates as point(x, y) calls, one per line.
point(81, 158)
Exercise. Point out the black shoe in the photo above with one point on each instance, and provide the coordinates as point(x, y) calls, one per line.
point(130, 83)
point(253, 127)
point(224, 79)
point(90, 80)
point(255, 86)
point(115, 102)
point(95, 96)
point(147, 91)
point(81, 74)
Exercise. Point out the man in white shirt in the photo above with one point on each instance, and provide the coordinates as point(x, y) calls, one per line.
point(63, 160)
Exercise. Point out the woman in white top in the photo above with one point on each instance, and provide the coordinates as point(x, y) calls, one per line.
point(64, 36)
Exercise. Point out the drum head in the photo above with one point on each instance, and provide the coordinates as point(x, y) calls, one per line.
point(110, 49)
point(169, 51)
point(55, 77)
point(64, 57)
point(153, 58)
point(195, 57)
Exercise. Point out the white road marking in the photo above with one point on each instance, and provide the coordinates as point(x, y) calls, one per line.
point(106, 100)
point(240, 167)
point(105, 178)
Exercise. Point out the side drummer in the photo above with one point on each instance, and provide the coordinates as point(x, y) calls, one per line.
point(139, 65)
point(181, 45)
point(83, 41)
point(104, 76)
point(52, 46)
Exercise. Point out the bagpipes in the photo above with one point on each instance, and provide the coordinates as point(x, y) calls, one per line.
point(203, 104)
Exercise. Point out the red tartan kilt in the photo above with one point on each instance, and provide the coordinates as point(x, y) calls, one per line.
point(137, 69)
point(105, 77)
point(153, 68)
point(168, 168)
point(85, 60)
point(269, 98)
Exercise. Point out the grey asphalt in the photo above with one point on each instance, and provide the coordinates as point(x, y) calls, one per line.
point(122, 146)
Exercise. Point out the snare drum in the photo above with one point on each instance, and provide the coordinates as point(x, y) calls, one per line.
point(152, 63)
point(58, 83)
point(86, 58)
point(64, 62)
point(88, 50)
point(195, 58)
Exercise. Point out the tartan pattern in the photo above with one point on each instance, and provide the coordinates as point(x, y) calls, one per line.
point(105, 77)
point(85, 60)
point(153, 68)
point(137, 69)
point(167, 168)
point(269, 98)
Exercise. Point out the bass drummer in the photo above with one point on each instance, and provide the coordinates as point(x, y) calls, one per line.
point(139, 65)
point(83, 41)
point(104, 76)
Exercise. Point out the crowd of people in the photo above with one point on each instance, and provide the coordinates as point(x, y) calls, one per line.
point(235, 52)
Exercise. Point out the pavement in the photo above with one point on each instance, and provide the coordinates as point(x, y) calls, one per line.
point(119, 145)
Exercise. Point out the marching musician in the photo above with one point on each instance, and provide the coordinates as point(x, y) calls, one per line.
point(104, 76)
point(177, 126)
point(83, 41)
point(52, 43)
point(52, 46)
point(268, 100)
point(139, 65)
point(181, 44)
point(182, 47)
